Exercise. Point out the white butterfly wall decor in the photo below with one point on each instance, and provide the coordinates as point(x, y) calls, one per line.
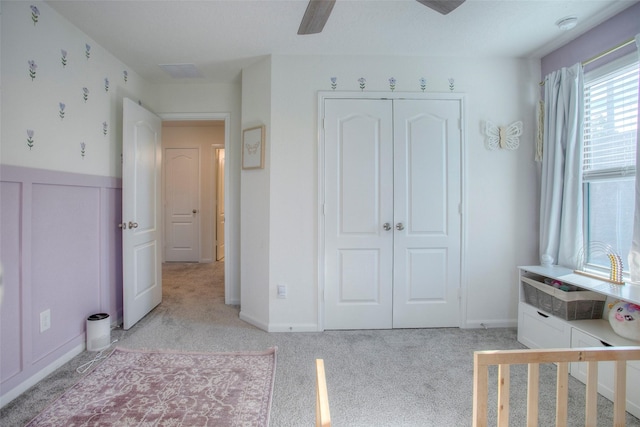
point(503, 137)
point(253, 148)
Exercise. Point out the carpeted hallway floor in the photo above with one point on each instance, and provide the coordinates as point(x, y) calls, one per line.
point(412, 377)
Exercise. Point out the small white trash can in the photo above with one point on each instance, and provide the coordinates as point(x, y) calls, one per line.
point(98, 332)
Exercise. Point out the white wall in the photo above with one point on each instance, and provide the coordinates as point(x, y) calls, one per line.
point(279, 204)
point(256, 194)
point(32, 102)
point(501, 187)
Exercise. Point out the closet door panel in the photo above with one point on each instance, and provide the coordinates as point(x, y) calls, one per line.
point(358, 202)
point(427, 195)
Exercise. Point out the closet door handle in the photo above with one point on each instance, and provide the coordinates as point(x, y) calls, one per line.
point(386, 226)
point(399, 226)
point(543, 315)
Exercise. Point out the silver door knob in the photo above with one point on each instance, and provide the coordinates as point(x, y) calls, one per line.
point(386, 226)
point(122, 225)
point(195, 211)
point(399, 226)
point(133, 224)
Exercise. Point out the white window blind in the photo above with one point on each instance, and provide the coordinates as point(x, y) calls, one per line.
point(610, 123)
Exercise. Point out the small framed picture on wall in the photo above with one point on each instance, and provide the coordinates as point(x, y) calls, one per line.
point(253, 148)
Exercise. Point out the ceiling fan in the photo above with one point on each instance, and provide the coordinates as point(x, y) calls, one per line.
point(318, 12)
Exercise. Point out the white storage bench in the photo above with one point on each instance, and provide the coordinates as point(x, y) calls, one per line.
point(547, 319)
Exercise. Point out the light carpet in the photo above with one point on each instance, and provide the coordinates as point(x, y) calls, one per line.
point(153, 388)
point(385, 378)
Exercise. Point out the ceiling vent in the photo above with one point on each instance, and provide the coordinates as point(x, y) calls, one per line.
point(181, 71)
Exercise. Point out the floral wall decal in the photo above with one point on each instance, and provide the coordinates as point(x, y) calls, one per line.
point(451, 83)
point(82, 149)
point(392, 83)
point(62, 93)
point(363, 83)
point(334, 83)
point(30, 138)
point(35, 14)
point(32, 69)
point(423, 83)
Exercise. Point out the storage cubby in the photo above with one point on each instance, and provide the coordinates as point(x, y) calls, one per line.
point(550, 319)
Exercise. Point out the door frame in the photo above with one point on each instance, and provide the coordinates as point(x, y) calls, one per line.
point(229, 285)
point(324, 95)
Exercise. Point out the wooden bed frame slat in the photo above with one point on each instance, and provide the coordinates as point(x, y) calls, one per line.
point(562, 357)
point(323, 416)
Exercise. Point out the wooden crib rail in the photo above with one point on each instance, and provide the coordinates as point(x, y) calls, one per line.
point(323, 416)
point(533, 358)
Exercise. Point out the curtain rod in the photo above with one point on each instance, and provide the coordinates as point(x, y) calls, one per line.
point(605, 53)
point(608, 51)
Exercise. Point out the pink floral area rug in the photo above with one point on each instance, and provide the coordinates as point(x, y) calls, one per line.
point(153, 388)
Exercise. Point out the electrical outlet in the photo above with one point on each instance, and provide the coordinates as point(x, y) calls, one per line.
point(282, 291)
point(45, 320)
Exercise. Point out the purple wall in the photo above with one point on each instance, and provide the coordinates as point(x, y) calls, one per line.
point(610, 33)
point(60, 250)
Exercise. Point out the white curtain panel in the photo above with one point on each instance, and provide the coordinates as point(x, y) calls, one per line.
point(561, 189)
point(634, 254)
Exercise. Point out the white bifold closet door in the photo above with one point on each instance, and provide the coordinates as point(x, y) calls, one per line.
point(392, 213)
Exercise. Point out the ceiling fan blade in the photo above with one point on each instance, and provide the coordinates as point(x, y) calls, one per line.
point(442, 6)
point(315, 16)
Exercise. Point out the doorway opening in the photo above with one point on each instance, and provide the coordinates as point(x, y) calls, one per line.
point(194, 193)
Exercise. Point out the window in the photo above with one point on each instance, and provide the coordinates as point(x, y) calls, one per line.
point(610, 132)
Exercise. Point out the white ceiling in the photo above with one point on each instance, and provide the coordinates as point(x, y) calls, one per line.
point(222, 36)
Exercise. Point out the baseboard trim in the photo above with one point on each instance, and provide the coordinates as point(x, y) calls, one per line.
point(254, 322)
point(309, 327)
point(492, 323)
point(40, 375)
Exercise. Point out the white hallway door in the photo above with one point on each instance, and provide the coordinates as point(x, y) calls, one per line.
point(141, 223)
point(219, 153)
point(182, 201)
point(392, 213)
